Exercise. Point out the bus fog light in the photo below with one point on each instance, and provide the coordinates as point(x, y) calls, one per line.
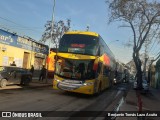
point(88, 84)
point(57, 80)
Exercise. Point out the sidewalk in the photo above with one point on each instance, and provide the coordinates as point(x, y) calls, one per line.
point(150, 102)
point(36, 83)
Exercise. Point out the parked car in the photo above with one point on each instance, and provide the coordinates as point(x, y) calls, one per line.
point(14, 75)
point(144, 85)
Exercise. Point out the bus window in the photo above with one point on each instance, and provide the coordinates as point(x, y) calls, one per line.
point(81, 69)
point(99, 68)
point(106, 71)
point(82, 44)
point(73, 69)
point(90, 71)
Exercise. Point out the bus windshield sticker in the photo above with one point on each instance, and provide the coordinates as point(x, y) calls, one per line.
point(78, 45)
point(76, 50)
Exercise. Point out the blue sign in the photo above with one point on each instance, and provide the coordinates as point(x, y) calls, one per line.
point(20, 42)
point(32, 45)
point(8, 38)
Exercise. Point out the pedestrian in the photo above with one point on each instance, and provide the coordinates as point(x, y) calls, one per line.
point(42, 74)
point(13, 64)
point(32, 69)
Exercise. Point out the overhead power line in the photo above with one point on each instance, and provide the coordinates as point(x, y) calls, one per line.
point(19, 25)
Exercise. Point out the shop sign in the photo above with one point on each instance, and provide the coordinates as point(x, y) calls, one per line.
point(40, 55)
point(14, 40)
point(31, 45)
point(8, 38)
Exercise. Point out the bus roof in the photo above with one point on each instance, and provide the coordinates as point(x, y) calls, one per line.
point(83, 33)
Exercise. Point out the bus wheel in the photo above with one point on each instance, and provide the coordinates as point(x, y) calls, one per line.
point(3, 83)
point(110, 84)
point(99, 89)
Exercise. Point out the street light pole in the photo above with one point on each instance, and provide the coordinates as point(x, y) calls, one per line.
point(53, 13)
point(52, 29)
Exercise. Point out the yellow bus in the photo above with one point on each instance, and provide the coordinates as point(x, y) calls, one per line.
point(51, 63)
point(84, 63)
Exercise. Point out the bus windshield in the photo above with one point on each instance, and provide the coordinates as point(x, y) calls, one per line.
point(74, 69)
point(80, 44)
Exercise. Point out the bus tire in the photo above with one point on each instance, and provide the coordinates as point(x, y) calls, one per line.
point(99, 89)
point(110, 83)
point(3, 83)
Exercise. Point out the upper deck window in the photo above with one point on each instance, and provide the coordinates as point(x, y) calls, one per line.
point(78, 43)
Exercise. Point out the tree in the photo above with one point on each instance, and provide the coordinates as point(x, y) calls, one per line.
point(143, 17)
point(54, 36)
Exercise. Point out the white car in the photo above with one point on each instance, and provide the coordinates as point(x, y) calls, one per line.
point(144, 85)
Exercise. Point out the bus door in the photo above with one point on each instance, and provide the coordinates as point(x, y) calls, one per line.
point(100, 75)
point(106, 75)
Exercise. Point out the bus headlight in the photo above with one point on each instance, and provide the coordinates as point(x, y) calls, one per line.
point(88, 83)
point(56, 80)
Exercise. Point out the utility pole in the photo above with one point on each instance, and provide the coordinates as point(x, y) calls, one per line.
point(52, 32)
point(87, 29)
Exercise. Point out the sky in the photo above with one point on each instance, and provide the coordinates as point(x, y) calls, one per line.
point(28, 17)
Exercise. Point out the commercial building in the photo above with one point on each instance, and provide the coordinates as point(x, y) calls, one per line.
point(25, 52)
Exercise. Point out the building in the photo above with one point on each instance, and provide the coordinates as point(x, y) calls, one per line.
point(157, 75)
point(132, 68)
point(24, 51)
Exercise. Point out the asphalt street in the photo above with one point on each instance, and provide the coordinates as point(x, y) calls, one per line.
point(50, 100)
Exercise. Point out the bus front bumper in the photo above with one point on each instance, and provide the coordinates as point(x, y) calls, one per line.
point(74, 86)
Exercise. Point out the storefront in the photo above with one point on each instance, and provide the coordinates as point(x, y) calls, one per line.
point(23, 51)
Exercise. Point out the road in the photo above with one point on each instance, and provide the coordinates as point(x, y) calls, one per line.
point(47, 99)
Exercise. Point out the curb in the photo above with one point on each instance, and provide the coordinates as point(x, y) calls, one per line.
point(30, 86)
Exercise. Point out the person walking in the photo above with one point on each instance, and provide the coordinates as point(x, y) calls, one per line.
point(32, 69)
point(13, 64)
point(42, 74)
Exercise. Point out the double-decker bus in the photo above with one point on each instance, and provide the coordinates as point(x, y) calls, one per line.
point(84, 63)
point(119, 76)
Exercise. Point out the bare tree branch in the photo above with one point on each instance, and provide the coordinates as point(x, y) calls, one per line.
point(143, 17)
point(59, 29)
